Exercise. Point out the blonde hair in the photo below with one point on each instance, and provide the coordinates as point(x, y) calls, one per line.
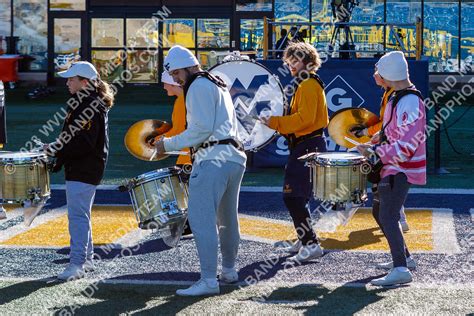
point(304, 52)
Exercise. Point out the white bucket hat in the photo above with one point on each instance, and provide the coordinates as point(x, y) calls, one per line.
point(393, 66)
point(179, 57)
point(166, 78)
point(81, 68)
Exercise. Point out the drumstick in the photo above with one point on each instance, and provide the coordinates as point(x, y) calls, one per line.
point(173, 153)
point(356, 143)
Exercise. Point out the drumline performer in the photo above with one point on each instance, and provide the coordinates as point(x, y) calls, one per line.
point(303, 128)
point(218, 168)
point(82, 148)
point(401, 151)
point(178, 122)
point(371, 129)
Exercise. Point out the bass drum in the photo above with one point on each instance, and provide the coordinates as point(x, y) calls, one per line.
point(256, 92)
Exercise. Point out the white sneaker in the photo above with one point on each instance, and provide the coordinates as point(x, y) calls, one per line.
point(3, 213)
point(393, 278)
point(229, 276)
point(307, 253)
point(411, 264)
point(291, 248)
point(199, 288)
point(404, 226)
point(72, 272)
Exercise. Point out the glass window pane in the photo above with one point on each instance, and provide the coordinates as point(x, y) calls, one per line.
point(254, 5)
point(367, 11)
point(107, 32)
point(402, 12)
point(67, 5)
point(31, 26)
point(251, 35)
point(292, 11)
point(67, 43)
point(109, 63)
point(321, 34)
point(179, 31)
point(5, 20)
point(208, 59)
point(441, 35)
point(467, 36)
point(143, 65)
point(142, 33)
point(213, 33)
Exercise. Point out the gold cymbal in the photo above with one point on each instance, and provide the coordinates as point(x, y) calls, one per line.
point(343, 120)
point(140, 134)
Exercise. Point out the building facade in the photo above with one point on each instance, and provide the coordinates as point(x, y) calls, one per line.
point(117, 35)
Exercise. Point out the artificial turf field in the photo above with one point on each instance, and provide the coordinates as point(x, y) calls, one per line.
point(137, 273)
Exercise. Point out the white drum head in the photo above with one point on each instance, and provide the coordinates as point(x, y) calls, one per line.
point(255, 93)
point(21, 156)
point(339, 158)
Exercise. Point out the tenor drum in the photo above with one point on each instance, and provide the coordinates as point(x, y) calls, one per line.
point(255, 92)
point(339, 177)
point(24, 177)
point(159, 198)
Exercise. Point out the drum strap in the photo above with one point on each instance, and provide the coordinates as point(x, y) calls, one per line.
point(227, 141)
point(214, 79)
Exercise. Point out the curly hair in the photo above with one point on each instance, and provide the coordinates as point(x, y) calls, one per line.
point(304, 52)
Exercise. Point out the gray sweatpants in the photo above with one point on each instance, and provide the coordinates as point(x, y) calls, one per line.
point(80, 197)
point(213, 202)
point(393, 191)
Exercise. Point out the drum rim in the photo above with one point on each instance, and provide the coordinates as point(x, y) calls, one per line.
point(154, 175)
point(28, 156)
point(285, 99)
point(358, 160)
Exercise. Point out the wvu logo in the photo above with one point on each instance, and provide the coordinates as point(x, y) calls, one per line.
point(243, 99)
point(340, 95)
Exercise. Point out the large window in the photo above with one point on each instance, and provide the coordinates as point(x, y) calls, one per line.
point(402, 38)
point(441, 35)
point(213, 33)
point(254, 5)
point(107, 32)
point(292, 11)
point(467, 35)
point(5, 20)
point(67, 43)
point(31, 26)
point(179, 31)
point(142, 33)
point(251, 35)
point(67, 5)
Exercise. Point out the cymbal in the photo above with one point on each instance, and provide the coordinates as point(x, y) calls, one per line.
point(138, 136)
point(343, 120)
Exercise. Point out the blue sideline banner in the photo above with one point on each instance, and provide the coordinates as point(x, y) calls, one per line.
point(349, 83)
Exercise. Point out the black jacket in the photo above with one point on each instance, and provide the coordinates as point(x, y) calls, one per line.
point(84, 140)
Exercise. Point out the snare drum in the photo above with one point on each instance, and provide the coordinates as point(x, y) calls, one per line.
point(339, 177)
point(255, 92)
point(24, 176)
point(159, 198)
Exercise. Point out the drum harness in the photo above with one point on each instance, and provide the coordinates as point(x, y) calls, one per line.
point(374, 175)
point(293, 141)
point(221, 84)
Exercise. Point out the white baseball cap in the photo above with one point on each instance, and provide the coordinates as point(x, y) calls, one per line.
point(166, 78)
point(393, 66)
point(179, 57)
point(81, 68)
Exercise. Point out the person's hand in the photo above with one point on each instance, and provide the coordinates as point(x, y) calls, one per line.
point(359, 131)
point(159, 146)
point(375, 139)
point(265, 120)
point(365, 150)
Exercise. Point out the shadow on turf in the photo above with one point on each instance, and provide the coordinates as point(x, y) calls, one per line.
point(123, 298)
point(23, 289)
point(104, 253)
point(344, 300)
